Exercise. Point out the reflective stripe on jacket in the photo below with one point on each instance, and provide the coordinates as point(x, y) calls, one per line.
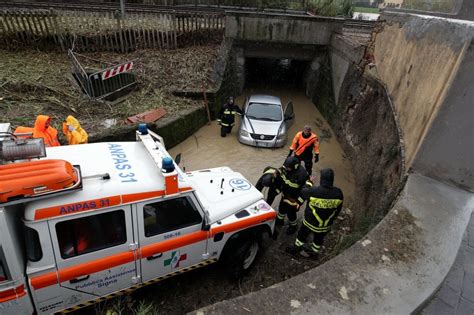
point(324, 205)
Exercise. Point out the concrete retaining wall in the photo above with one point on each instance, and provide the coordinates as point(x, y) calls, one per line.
point(365, 124)
point(418, 59)
point(447, 152)
point(295, 29)
point(343, 53)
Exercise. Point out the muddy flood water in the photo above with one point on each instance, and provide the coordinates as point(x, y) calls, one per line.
point(207, 149)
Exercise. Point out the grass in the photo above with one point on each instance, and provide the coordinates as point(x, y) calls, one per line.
point(366, 10)
point(34, 82)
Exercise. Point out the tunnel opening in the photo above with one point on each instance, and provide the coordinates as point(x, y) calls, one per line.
point(270, 73)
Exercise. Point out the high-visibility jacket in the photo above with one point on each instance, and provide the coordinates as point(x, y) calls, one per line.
point(49, 134)
point(226, 116)
point(292, 183)
point(302, 145)
point(78, 135)
point(323, 207)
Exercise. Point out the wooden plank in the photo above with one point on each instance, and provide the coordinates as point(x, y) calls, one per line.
point(35, 22)
point(119, 30)
point(6, 25)
point(45, 18)
point(24, 26)
point(175, 38)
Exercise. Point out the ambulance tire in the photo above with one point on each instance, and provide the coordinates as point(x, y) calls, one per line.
point(241, 256)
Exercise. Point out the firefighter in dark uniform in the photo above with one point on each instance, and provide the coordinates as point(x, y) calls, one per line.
point(271, 178)
point(304, 144)
point(294, 177)
point(324, 204)
point(226, 116)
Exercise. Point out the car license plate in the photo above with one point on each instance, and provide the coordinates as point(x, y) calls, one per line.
point(263, 144)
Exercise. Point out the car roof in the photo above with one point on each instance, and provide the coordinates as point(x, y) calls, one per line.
point(266, 99)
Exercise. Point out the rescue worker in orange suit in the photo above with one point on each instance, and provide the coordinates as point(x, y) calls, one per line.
point(226, 116)
point(304, 144)
point(271, 178)
point(294, 177)
point(42, 129)
point(73, 131)
point(323, 207)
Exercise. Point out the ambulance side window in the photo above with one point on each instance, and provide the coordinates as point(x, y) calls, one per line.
point(33, 246)
point(92, 233)
point(3, 272)
point(169, 215)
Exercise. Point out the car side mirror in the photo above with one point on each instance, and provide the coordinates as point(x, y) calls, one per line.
point(290, 117)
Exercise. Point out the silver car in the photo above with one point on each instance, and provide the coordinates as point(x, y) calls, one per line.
point(265, 123)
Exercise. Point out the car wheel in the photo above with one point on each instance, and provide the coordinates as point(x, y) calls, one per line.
point(241, 257)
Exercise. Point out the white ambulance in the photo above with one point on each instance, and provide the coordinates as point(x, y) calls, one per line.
point(123, 216)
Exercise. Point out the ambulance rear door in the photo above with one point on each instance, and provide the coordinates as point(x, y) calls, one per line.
point(95, 253)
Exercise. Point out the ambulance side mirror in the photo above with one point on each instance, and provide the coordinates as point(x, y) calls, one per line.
point(205, 224)
point(177, 159)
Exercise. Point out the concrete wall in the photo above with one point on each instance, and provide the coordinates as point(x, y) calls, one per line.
point(366, 126)
point(418, 59)
point(447, 151)
point(296, 29)
point(342, 54)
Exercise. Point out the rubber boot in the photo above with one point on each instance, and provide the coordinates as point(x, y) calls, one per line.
point(291, 229)
point(279, 222)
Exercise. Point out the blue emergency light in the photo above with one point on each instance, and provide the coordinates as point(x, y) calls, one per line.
point(167, 165)
point(142, 129)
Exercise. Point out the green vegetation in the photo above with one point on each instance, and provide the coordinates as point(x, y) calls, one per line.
point(331, 7)
point(445, 6)
point(366, 10)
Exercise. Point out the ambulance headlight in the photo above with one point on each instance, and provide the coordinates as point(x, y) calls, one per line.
point(142, 129)
point(167, 165)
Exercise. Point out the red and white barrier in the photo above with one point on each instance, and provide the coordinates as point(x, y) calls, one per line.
point(125, 67)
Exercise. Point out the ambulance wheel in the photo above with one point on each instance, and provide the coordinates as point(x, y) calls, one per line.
point(241, 257)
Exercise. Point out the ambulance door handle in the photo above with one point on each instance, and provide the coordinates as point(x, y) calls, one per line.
point(155, 256)
point(79, 279)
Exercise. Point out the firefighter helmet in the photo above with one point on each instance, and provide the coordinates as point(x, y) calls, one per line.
point(292, 163)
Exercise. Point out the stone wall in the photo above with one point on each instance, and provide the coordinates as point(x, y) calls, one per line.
point(365, 124)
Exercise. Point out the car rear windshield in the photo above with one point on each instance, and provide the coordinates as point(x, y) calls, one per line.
point(269, 112)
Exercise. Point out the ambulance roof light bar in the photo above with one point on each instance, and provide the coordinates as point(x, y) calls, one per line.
point(155, 147)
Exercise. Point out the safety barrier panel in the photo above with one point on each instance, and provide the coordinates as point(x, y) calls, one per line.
point(104, 83)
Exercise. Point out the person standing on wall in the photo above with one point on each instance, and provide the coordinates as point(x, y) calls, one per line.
point(226, 116)
point(304, 144)
point(324, 202)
